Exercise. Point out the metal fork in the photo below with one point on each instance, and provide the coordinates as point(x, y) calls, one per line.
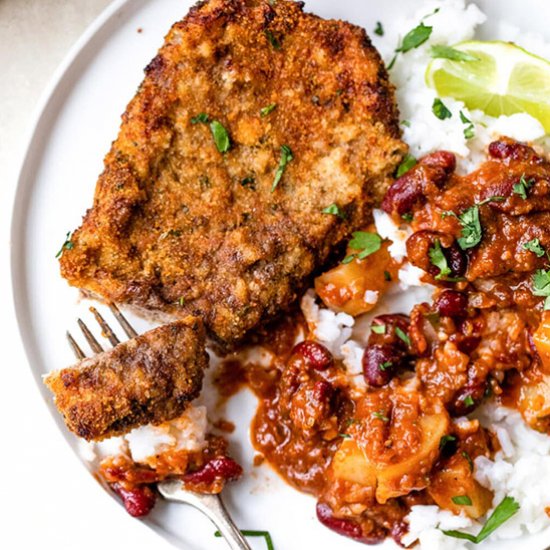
point(210, 505)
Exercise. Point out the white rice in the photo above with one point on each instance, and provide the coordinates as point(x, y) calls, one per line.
point(522, 468)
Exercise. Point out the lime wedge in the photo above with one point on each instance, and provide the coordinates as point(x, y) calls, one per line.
point(503, 80)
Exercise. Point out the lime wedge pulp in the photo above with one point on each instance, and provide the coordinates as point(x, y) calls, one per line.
point(503, 80)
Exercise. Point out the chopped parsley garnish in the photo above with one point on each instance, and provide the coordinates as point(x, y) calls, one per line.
point(522, 187)
point(403, 336)
point(345, 436)
point(201, 117)
point(502, 513)
point(408, 217)
point(334, 209)
point(439, 109)
point(469, 401)
point(181, 301)
point(439, 51)
point(220, 135)
point(379, 29)
point(264, 111)
point(380, 416)
point(378, 329)
point(273, 40)
point(67, 245)
point(366, 243)
point(469, 130)
point(406, 123)
point(408, 162)
point(286, 157)
point(468, 459)
point(535, 247)
point(445, 440)
point(438, 259)
point(541, 285)
point(414, 38)
point(462, 500)
point(387, 276)
point(249, 182)
point(385, 365)
point(252, 533)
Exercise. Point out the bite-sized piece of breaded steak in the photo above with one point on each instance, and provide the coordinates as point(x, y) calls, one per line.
point(179, 226)
point(148, 379)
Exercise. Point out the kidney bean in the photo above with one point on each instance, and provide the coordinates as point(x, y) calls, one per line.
point(398, 530)
point(390, 322)
point(220, 467)
point(456, 259)
point(346, 527)
point(469, 397)
point(408, 190)
point(465, 344)
point(380, 361)
point(510, 149)
point(315, 355)
point(451, 303)
point(138, 501)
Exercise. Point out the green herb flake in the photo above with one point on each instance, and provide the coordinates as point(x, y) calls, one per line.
point(273, 40)
point(334, 210)
point(251, 533)
point(406, 123)
point(439, 109)
point(379, 29)
point(541, 285)
point(468, 459)
point(471, 228)
point(445, 440)
point(414, 38)
point(502, 513)
point(366, 243)
point(286, 157)
point(220, 135)
point(344, 436)
point(201, 117)
point(67, 245)
point(378, 329)
point(408, 162)
point(535, 247)
point(403, 336)
point(438, 259)
point(181, 301)
point(380, 416)
point(387, 276)
point(522, 187)
point(462, 500)
point(408, 217)
point(385, 365)
point(440, 51)
point(469, 401)
point(469, 130)
point(264, 111)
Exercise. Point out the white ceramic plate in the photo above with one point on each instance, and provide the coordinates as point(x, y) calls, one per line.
point(77, 121)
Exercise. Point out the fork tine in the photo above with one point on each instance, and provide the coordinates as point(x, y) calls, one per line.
point(107, 331)
point(94, 344)
point(75, 347)
point(126, 326)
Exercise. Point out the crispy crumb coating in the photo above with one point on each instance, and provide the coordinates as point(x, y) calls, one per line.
point(178, 227)
point(148, 379)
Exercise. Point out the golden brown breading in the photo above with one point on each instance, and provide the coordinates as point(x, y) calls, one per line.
point(179, 227)
point(148, 379)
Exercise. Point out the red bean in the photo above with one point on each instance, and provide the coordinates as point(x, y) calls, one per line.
point(451, 303)
point(138, 501)
point(380, 361)
point(347, 527)
point(456, 259)
point(510, 149)
point(220, 467)
point(469, 397)
point(315, 355)
point(389, 336)
point(465, 344)
point(408, 190)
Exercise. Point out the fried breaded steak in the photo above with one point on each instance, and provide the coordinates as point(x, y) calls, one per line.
point(148, 379)
point(233, 237)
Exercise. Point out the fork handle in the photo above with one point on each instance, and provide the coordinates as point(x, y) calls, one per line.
point(213, 507)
